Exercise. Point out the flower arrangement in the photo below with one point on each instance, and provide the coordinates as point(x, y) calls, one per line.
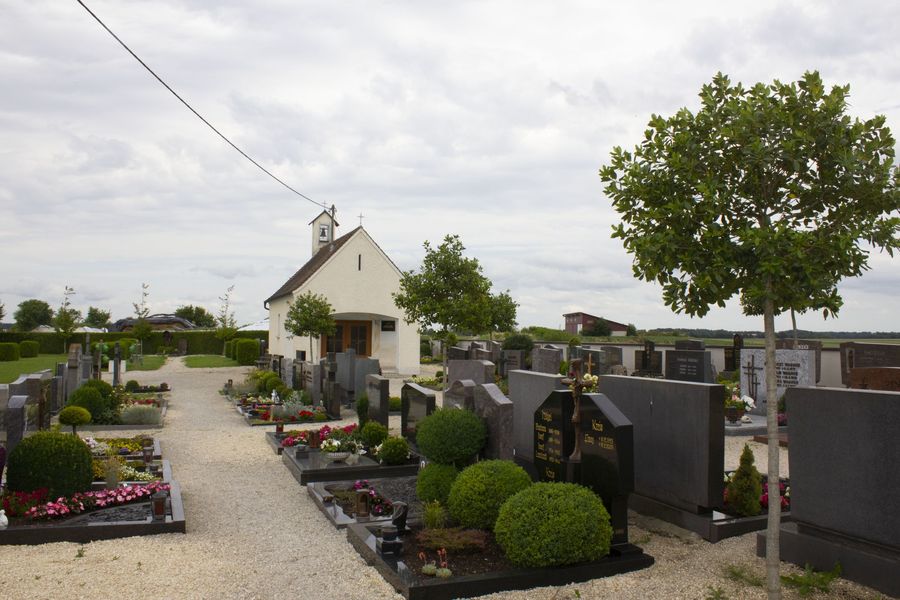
point(783, 487)
point(588, 383)
point(87, 501)
point(295, 437)
point(17, 504)
point(342, 444)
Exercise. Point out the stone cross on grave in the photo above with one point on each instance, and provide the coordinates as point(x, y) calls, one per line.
point(753, 381)
point(576, 382)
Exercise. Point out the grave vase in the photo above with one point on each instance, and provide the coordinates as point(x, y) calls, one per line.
point(733, 413)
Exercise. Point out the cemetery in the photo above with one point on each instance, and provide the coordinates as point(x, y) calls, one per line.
point(466, 491)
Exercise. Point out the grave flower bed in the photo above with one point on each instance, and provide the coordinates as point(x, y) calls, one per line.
point(784, 485)
point(93, 500)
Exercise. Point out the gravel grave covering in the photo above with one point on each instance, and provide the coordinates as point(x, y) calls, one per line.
point(253, 532)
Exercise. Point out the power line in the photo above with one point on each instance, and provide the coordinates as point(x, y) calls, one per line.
point(191, 108)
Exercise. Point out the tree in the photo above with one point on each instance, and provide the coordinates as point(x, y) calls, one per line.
point(449, 291)
point(67, 319)
point(310, 315)
point(97, 318)
point(765, 193)
point(2, 311)
point(197, 315)
point(503, 313)
point(226, 326)
point(599, 329)
point(31, 314)
point(631, 330)
point(142, 329)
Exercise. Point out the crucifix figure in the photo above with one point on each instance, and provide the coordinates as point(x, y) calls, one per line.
point(576, 382)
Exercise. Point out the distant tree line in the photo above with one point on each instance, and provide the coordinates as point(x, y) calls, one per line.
point(788, 333)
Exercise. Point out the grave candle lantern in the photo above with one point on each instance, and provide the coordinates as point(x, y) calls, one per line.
point(147, 454)
point(158, 505)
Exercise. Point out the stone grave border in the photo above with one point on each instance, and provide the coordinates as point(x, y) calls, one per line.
point(165, 467)
point(394, 571)
point(88, 532)
point(332, 511)
point(345, 472)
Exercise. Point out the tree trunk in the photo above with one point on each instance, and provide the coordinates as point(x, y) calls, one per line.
point(794, 325)
point(773, 564)
point(312, 358)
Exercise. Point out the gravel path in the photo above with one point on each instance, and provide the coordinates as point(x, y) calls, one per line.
point(254, 533)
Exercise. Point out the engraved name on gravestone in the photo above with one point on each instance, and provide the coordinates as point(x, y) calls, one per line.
point(689, 365)
point(793, 368)
point(804, 345)
point(607, 458)
point(554, 436)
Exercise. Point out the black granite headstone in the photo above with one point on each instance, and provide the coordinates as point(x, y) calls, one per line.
point(457, 353)
point(856, 354)
point(690, 345)
point(689, 365)
point(654, 366)
point(607, 458)
point(417, 403)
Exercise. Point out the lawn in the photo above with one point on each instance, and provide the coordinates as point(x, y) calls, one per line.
point(10, 371)
point(208, 361)
point(151, 362)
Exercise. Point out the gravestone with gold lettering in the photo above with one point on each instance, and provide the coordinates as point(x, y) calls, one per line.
point(606, 463)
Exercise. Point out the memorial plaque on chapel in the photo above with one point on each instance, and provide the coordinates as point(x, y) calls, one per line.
point(607, 458)
point(554, 436)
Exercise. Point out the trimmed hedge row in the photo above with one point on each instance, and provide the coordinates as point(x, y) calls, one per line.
point(246, 351)
point(198, 342)
point(28, 349)
point(9, 351)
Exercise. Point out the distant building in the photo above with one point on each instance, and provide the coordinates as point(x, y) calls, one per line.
point(357, 278)
point(157, 322)
point(578, 321)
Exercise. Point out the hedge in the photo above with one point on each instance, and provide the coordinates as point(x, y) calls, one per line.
point(246, 351)
point(28, 348)
point(199, 341)
point(9, 351)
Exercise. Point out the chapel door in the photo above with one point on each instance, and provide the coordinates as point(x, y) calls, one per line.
point(349, 334)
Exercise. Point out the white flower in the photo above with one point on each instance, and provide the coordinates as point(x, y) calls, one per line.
point(748, 401)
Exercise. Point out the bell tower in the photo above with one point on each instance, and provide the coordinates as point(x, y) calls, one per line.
point(323, 230)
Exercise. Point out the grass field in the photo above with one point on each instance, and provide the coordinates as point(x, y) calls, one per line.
point(208, 361)
point(10, 371)
point(150, 362)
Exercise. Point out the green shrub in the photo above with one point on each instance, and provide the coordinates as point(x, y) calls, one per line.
point(434, 515)
point(246, 352)
point(451, 436)
point(105, 389)
point(519, 341)
point(228, 346)
point(394, 451)
point(434, 482)
point(9, 352)
point(425, 348)
point(28, 349)
point(132, 385)
point(745, 487)
point(74, 416)
point(564, 367)
point(395, 404)
point(89, 398)
point(362, 409)
point(551, 524)
point(372, 433)
point(283, 391)
point(60, 462)
point(273, 383)
point(139, 414)
point(480, 490)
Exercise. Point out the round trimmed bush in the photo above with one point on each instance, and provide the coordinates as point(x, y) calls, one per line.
point(132, 385)
point(552, 524)
point(246, 351)
point(273, 383)
point(101, 386)
point(480, 490)
point(60, 462)
point(74, 416)
point(394, 451)
point(434, 482)
point(451, 436)
point(227, 350)
point(28, 348)
point(89, 398)
point(373, 433)
point(9, 352)
point(262, 380)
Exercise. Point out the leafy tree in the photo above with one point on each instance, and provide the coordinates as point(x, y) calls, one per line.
point(309, 315)
point(766, 193)
point(226, 326)
point(631, 330)
point(97, 318)
point(2, 311)
point(197, 315)
point(503, 313)
point(142, 329)
point(449, 292)
point(32, 313)
point(67, 319)
point(599, 329)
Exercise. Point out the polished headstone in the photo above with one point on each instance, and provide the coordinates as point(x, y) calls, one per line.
point(856, 354)
point(690, 365)
point(460, 394)
point(497, 412)
point(378, 392)
point(417, 403)
point(527, 390)
point(479, 371)
point(546, 360)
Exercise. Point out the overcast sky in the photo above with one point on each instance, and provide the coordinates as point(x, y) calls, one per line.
point(486, 119)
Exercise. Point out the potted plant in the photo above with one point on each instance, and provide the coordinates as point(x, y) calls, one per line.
point(339, 446)
point(736, 405)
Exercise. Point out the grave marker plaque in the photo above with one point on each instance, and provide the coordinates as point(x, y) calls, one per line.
point(654, 364)
point(513, 360)
point(689, 365)
point(814, 345)
point(793, 368)
point(855, 355)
